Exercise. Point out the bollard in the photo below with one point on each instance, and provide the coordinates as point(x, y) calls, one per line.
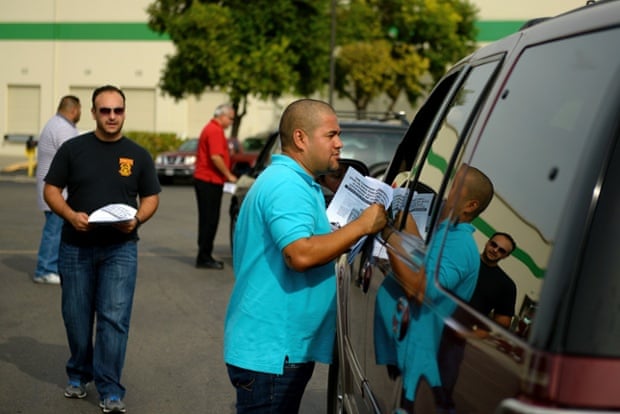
point(31, 146)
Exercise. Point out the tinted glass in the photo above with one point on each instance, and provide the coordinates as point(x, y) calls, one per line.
point(371, 145)
point(406, 328)
point(434, 162)
point(374, 145)
point(189, 145)
point(531, 150)
point(597, 293)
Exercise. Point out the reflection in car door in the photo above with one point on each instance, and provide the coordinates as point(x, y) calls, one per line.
point(375, 296)
point(357, 286)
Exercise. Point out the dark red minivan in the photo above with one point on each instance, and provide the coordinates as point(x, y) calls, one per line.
point(538, 113)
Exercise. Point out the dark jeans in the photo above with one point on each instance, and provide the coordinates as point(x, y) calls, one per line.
point(98, 282)
point(209, 201)
point(261, 393)
point(449, 359)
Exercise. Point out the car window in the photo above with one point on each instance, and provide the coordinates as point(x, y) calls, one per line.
point(535, 135)
point(597, 292)
point(189, 145)
point(253, 144)
point(371, 145)
point(428, 171)
point(419, 176)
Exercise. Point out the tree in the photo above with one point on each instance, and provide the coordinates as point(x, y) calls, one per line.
point(399, 46)
point(268, 48)
point(443, 31)
point(264, 48)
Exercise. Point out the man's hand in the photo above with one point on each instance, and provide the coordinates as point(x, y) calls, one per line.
point(79, 221)
point(127, 226)
point(373, 219)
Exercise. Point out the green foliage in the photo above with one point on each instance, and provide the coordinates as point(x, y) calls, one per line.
point(264, 48)
point(361, 71)
point(153, 142)
point(364, 70)
point(442, 31)
point(267, 48)
point(396, 46)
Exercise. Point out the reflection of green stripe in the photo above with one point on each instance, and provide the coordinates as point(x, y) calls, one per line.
point(437, 161)
point(488, 30)
point(485, 228)
point(79, 31)
point(518, 254)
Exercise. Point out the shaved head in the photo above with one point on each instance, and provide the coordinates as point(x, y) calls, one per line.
point(305, 114)
point(479, 187)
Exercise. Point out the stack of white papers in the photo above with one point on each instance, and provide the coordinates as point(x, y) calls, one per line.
point(112, 213)
point(357, 192)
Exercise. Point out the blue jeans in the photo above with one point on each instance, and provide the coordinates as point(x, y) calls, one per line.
point(47, 258)
point(262, 393)
point(98, 282)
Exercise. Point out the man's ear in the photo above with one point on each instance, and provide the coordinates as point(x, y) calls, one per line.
point(471, 206)
point(299, 139)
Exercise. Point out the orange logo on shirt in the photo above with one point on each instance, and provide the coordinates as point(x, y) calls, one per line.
point(125, 166)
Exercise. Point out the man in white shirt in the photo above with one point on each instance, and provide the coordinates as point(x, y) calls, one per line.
point(57, 130)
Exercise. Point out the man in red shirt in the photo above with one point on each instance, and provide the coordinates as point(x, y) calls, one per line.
point(212, 171)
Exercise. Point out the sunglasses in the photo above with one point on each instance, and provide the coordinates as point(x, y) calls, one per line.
point(496, 246)
point(108, 111)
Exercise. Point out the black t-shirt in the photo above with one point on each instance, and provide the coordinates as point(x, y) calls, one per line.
point(97, 173)
point(494, 291)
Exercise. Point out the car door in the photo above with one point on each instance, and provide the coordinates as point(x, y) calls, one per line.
point(533, 139)
point(368, 293)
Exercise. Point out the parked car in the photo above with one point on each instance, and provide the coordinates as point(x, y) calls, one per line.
point(180, 164)
point(177, 164)
point(243, 156)
point(372, 142)
point(537, 112)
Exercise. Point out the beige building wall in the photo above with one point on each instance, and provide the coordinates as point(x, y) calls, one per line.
point(524, 9)
point(55, 68)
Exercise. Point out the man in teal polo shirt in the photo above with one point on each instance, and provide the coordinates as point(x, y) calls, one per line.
point(281, 317)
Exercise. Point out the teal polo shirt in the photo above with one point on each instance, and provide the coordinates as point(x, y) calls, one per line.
point(274, 312)
point(457, 272)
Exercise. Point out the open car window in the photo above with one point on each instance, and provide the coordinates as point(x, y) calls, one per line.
point(418, 176)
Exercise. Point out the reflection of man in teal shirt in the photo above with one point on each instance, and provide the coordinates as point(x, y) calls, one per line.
point(281, 317)
point(457, 272)
point(452, 261)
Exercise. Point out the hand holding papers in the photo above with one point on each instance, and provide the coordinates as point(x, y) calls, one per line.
point(354, 195)
point(112, 213)
point(357, 192)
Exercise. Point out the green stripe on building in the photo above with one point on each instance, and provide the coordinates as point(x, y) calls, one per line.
point(79, 31)
point(487, 31)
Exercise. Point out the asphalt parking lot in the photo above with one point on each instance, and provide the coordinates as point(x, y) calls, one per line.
point(174, 359)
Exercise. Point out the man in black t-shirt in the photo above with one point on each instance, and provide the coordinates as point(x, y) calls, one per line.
point(495, 296)
point(98, 262)
point(495, 291)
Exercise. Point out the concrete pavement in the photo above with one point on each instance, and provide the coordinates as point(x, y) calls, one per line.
point(174, 359)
